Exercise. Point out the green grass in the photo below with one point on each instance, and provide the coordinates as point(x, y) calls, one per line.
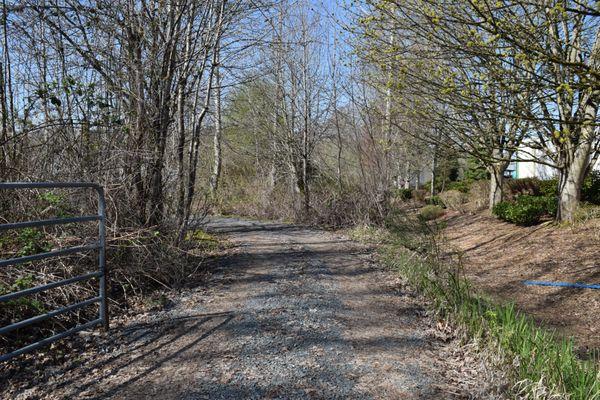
point(538, 357)
point(203, 239)
point(22, 305)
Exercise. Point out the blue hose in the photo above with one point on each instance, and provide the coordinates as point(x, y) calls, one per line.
point(562, 284)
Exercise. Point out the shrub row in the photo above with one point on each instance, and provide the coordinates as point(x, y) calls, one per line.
point(590, 191)
point(431, 212)
point(462, 186)
point(526, 210)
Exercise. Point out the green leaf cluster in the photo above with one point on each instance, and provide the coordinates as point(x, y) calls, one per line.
point(526, 210)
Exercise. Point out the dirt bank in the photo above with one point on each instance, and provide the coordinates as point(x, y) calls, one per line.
point(499, 256)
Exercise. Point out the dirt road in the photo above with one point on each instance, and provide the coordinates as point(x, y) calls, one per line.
point(289, 313)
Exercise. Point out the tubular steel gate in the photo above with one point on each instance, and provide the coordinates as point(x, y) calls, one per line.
point(101, 274)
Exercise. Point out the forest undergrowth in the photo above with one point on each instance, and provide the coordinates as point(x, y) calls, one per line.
point(142, 264)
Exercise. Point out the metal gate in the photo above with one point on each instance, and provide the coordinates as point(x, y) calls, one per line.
point(100, 273)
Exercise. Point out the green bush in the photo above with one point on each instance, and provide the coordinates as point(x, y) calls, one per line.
point(462, 186)
point(524, 186)
point(435, 201)
point(526, 210)
point(21, 308)
point(27, 304)
point(500, 210)
point(427, 186)
point(475, 171)
point(32, 241)
point(404, 194)
point(590, 191)
point(551, 203)
point(548, 187)
point(431, 212)
point(56, 202)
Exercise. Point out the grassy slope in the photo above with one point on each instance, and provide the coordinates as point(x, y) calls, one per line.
point(541, 365)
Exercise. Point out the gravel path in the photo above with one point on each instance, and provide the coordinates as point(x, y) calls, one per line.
point(289, 313)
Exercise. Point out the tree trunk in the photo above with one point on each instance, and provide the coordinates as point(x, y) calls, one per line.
point(216, 173)
point(3, 128)
point(339, 144)
point(497, 169)
point(387, 126)
point(407, 175)
point(306, 189)
point(578, 160)
point(180, 152)
point(578, 155)
point(496, 183)
point(570, 182)
point(272, 174)
point(433, 168)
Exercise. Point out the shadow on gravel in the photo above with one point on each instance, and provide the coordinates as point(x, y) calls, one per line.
point(249, 228)
point(245, 267)
point(279, 244)
point(284, 389)
point(146, 341)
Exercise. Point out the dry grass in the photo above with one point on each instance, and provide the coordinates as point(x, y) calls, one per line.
point(140, 262)
point(537, 361)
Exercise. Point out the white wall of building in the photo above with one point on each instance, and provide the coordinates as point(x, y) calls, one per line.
point(533, 169)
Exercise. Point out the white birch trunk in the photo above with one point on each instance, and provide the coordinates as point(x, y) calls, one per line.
point(217, 161)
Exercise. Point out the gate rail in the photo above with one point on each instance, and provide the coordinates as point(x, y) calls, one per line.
point(101, 273)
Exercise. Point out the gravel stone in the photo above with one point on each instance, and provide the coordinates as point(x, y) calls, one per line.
point(288, 313)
